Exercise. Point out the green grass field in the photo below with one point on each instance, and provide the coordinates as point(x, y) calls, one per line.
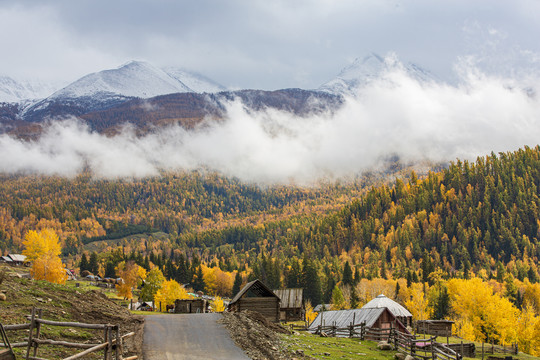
point(335, 348)
point(344, 348)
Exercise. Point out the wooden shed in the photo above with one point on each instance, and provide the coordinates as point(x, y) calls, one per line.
point(434, 327)
point(190, 306)
point(256, 296)
point(13, 259)
point(291, 306)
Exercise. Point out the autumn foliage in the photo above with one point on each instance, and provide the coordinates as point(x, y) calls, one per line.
point(43, 249)
point(218, 305)
point(169, 292)
point(131, 274)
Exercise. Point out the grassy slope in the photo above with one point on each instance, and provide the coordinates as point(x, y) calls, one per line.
point(59, 303)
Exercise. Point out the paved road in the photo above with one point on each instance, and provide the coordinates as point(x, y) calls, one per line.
point(188, 337)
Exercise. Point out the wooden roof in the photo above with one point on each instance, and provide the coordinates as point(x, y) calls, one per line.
point(255, 288)
point(290, 298)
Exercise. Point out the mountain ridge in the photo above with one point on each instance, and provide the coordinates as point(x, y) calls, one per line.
point(184, 97)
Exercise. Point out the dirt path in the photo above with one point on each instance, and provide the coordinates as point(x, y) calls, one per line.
point(188, 337)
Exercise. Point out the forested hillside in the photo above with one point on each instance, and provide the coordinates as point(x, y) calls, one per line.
point(471, 216)
point(416, 239)
point(84, 209)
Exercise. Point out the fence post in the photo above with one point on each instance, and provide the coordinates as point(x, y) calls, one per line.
point(32, 322)
point(119, 347)
point(106, 340)
point(38, 331)
point(110, 342)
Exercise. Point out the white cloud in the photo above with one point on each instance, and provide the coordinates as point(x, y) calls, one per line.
point(394, 115)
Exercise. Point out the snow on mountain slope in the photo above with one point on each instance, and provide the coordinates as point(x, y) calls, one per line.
point(15, 91)
point(134, 79)
point(137, 79)
point(364, 70)
point(196, 82)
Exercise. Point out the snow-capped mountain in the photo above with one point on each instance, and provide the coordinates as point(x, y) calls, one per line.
point(364, 70)
point(103, 89)
point(196, 82)
point(136, 79)
point(12, 91)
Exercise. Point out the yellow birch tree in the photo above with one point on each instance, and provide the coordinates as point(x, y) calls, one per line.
point(417, 302)
point(130, 274)
point(310, 314)
point(43, 250)
point(168, 293)
point(491, 316)
point(217, 305)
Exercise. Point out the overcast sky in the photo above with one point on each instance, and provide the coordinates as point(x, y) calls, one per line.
point(264, 44)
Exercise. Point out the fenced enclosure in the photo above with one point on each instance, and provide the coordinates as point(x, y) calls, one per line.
point(355, 330)
point(500, 349)
point(402, 342)
point(112, 345)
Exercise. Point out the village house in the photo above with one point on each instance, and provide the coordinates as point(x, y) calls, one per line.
point(379, 313)
point(256, 296)
point(13, 259)
point(400, 312)
point(291, 306)
point(190, 306)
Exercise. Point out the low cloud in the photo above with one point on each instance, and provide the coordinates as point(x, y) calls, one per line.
point(392, 115)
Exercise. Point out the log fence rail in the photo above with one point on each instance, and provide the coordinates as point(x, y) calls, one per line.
point(112, 344)
point(402, 342)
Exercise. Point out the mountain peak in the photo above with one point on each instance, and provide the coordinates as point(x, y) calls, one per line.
point(137, 79)
point(368, 68)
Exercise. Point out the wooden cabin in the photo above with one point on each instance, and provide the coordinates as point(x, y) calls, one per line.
point(190, 306)
point(434, 327)
point(256, 296)
point(13, 259)
point(291, 306)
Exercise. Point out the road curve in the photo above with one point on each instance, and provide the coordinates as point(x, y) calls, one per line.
point(188, 337)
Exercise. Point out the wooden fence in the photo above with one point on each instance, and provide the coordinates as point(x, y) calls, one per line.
point(112, 344)
point(465, 349)
point(499, 349)
point(355, 330)
point(409, 344)
point(402, 342)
